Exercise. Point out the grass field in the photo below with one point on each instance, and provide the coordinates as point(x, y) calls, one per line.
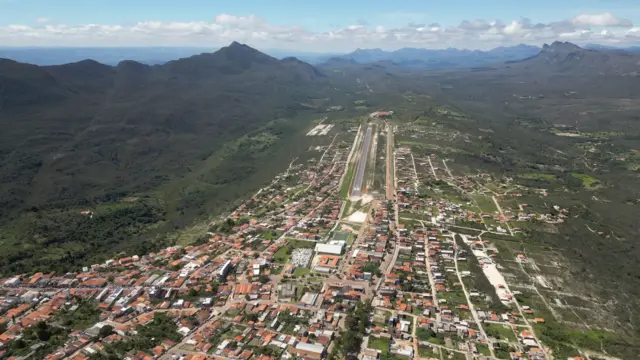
point(351, 239)
point(348, 179)
point(536, 176)
point(300, 271)
point(425, 351)
point(500, 332)
point(587, 181)
point(483, 349)
point(486, 203)
point(379, 344)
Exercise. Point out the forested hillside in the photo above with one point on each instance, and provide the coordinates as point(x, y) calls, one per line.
point(86, 135)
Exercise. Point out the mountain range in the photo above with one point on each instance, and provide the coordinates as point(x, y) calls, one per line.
point(568, 57)
point(445, 58)
point(408, 57)
point(84, 131)
point(45, 56)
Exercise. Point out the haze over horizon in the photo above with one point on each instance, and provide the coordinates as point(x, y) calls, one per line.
point(330, 26)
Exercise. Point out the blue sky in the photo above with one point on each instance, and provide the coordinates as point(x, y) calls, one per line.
point(25, 21)
point(317, 15)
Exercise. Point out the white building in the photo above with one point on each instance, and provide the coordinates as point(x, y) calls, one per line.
point(333, 249)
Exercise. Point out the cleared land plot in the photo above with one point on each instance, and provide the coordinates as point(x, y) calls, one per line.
point(340, 235)
point(486, 203)
point(500, 332)
point(379, 344)
point(301, 271)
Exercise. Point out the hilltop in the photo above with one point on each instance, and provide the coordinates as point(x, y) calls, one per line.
point(568, 57)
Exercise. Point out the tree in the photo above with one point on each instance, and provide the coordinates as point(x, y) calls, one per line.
point(105, 331)
point(43, 335)
point(351, 322)
point(351, 342)
point(371, 267)
point(263, 279)
point(18, 344)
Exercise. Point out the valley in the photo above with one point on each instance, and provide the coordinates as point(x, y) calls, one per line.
point(365, 211)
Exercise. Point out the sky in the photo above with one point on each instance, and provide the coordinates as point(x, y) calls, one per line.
point(318, 26)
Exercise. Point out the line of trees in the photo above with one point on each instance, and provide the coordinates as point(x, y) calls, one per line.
point(348, 343)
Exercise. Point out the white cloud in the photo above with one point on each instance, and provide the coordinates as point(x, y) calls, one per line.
point(604, 19)
point(238, 21)
point(42, 20)
point(477, 24)
point(514, 28)
point(224, 28)
point(633, 33)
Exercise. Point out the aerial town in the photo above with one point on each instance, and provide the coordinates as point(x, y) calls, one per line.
point(365, 247)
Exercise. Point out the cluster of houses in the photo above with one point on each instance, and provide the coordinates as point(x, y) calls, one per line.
point(376, 244)
point(254, 330)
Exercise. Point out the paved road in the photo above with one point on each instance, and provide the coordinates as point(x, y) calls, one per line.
point(432, 281)
point(472, 308)
point(433, 171)
point(392, 262)
point(362, 164)
point(495, 201)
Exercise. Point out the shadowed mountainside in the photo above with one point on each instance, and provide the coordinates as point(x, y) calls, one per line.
point(69, 123)
point(82, 134)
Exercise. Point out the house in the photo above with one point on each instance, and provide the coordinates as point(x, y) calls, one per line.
point(305, 350)
point(327, 263)
point(402, 350)
point(370, 354)
point(309, 298)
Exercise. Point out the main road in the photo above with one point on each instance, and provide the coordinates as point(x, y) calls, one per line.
point(356, 190)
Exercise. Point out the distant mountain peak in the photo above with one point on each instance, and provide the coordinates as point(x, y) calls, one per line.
point(239, 46)
point(561, 47)
point(132, 67)
point(130, 63)
point(369, 51)
point(238, 51)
